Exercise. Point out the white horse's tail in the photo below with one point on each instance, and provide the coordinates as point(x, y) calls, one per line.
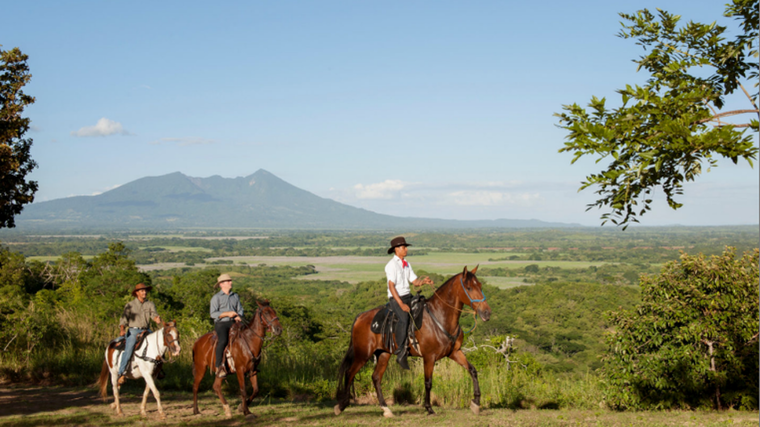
point(105, 372)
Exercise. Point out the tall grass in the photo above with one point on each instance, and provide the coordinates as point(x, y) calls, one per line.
point(299, 370)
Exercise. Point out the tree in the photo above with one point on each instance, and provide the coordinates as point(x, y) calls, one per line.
point(15, 159)
point(693, 339)
point(666, 129)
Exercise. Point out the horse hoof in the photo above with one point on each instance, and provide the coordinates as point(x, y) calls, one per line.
point(144, 414)
point(113, 405)
point(387, 412)
point(337, 410)
point(475, 408)
point(430, 411)
point(249, 416)
point(227, 412)
point(162, 417)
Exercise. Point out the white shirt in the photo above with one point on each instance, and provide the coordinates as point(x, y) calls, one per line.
point(399, 275)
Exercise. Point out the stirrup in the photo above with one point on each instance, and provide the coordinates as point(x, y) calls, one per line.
point(221, 372)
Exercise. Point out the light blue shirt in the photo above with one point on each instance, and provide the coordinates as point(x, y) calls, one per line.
point(222, 302)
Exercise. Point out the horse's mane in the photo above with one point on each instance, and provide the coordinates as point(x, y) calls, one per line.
point(445, 284)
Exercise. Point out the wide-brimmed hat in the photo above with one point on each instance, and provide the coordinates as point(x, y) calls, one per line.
point(223, 278)
point(398, 241)
point(141, 286)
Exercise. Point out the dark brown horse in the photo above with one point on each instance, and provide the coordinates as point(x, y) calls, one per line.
point(440, 336)
point(246, 353)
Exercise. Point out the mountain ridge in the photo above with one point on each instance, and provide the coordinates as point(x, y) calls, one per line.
point(259, 200)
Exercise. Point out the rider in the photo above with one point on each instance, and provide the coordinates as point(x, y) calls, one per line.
point(225, 307)
point(400, 274)
point(134, 320)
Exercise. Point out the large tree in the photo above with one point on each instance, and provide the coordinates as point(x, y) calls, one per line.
point(692, 341)
point(15, 157)
point(666, 130)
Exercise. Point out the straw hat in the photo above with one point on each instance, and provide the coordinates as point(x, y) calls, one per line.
point(223, 278)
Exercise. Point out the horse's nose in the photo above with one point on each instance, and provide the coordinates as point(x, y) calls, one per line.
point(485, 313)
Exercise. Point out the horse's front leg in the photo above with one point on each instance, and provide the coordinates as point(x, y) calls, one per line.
point(461, 359)
point(429, 365)
point(243, 397)
point(150, 384)
point(218, 390)
point(255, 385)
point(377, 379)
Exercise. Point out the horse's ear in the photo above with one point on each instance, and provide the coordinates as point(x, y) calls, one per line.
point(475, 269)
point(464, 272)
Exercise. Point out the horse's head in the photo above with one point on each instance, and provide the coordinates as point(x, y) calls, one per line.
point(471, 293)
point(269, 318)
point(171, 337)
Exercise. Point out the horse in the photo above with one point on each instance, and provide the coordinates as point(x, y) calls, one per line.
point(246, 354)
point(439, 336)
point(146, 357)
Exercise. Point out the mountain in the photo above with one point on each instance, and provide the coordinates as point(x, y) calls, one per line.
point(261, 200)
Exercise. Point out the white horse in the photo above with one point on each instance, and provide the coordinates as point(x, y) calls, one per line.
point(143, 365)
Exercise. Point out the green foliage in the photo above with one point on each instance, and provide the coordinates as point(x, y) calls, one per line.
point(693, 339)
point(662, 133)
point(15, 157)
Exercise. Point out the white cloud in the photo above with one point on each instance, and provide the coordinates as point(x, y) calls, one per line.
point(492, 198)
point(97, 193)
point(387, 189)
point(184, 142)
point(104, 127)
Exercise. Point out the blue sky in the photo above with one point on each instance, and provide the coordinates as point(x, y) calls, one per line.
point(424, 108)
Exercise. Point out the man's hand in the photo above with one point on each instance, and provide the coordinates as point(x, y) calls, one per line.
point(122, 331)
point(404, 307)
point(238, 319)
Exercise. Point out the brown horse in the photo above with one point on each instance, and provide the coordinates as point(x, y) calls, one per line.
point(246, 353)
point(440, 336)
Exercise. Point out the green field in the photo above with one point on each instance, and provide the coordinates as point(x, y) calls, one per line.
point(355, 269)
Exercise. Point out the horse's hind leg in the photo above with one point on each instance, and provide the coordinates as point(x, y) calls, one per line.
point(358, 362)
point(377, 379)
point(145, 401)
point(198, 372)
point(461, 359)
point(150, 384)
point(115, 385)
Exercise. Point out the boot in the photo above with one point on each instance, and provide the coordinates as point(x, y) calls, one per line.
point(401, 356)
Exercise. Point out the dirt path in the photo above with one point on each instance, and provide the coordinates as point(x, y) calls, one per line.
point(56, 406)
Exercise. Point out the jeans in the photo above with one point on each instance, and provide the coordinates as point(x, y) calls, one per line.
point(402, 327)
point(222, 336)
point(129, 348)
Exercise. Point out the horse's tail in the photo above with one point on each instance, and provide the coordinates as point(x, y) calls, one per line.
point(105, 372)
point(343, 393)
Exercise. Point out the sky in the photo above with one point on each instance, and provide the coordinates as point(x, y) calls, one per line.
point(439, 109)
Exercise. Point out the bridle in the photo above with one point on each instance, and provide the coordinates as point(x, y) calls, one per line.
point(169, 341)
point(268, 327)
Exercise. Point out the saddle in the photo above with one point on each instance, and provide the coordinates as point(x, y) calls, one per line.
point(235, 332)
point(385, 320)
point(120, 343)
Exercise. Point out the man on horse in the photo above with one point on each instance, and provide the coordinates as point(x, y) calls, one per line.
point(226, 309)
point(400, 275)
point(134, 320)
